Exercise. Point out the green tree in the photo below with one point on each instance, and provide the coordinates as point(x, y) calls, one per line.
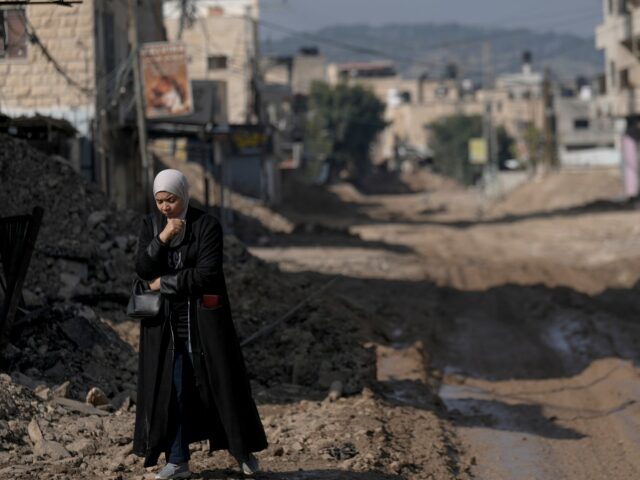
point(450, 144)
point(343, 124)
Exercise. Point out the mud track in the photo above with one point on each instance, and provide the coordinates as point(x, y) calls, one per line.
point(521, 316)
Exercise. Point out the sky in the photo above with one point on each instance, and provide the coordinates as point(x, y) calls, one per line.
point(579, 17)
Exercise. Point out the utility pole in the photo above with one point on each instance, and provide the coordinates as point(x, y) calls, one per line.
point(488, 128)
point(147, 167)
point(549, 127)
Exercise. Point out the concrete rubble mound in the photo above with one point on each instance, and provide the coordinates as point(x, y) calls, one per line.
point(75, 338)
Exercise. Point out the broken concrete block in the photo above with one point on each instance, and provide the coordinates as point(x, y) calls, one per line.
point(96, 218)
point(35, 434)
point(51, 449)
point(62, 390)
point(82, 446)
point(335, 391)
point(96, 397)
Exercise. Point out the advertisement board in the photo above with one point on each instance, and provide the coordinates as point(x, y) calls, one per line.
point(166, 85)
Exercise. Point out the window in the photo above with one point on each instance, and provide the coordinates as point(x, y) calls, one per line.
point(13, 34)
point(612, 75)
point(216, 62)
point(581, 123)
point(625, 82)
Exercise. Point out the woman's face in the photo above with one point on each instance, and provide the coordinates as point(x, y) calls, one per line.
point(169, 204)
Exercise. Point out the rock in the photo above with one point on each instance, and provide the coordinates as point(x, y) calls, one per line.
point(96, 218)
point(69, 282)
point(122, 242)
point(25, 380)
point(79, 407)
point(83, 446)
point(42, 391)
point(96, 397)
point(31, 300)
point(123, 402)
point(62, 390)
point(35, 434)
point(51, 449)
point(335, 391)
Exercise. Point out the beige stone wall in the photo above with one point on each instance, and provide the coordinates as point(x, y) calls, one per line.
point(33, 85)
point(306, 70)
point(231, 36)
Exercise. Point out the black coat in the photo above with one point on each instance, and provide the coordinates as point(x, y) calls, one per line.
point(223, 411)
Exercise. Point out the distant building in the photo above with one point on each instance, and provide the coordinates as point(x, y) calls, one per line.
point(517, 100)
point(222, 44)
point(309, 65)
point(585, 133)
point(618, 37)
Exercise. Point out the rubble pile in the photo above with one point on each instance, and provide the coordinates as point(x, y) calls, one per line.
point(84, 255)
point(85, 247)
point(70, 343)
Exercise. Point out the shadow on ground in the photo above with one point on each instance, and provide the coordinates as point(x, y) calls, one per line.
point(298, 475)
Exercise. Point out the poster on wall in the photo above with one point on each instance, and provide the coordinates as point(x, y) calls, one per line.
point(166, 86)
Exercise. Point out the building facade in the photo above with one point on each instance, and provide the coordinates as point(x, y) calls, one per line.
point(73, 64)
point(618, 37)
point(222, 45)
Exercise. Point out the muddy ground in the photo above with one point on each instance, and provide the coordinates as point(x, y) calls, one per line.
point(502, 336)
point(523, 309)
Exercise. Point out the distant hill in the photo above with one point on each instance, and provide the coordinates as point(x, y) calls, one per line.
point(416, 48)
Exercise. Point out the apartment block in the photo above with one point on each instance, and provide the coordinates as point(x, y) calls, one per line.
point(222, 45)
point(618, 36)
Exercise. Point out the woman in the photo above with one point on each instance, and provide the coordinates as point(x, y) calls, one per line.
point(192, 383)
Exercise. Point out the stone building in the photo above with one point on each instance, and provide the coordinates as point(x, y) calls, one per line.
point(70, 63)
point(585, 132)
point(222, 45)
point(516, 101)
point(618, 36)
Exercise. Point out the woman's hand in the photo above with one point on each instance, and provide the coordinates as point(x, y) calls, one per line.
point(173, 229)
point(155, 285)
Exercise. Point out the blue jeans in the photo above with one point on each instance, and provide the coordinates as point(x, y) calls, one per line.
point(182, 372)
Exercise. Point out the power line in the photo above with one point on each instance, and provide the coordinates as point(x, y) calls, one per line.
point(62, 3)
point(33, 37)
point(380, 53)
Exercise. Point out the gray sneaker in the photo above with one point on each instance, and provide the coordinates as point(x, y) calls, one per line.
point(250, 465)
point(174, 470)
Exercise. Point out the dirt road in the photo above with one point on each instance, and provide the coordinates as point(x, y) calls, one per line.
point(522, 315)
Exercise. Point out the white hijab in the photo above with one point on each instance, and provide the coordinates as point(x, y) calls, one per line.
point(173, 181)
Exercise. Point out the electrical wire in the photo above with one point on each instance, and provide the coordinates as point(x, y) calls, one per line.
point(33, 37)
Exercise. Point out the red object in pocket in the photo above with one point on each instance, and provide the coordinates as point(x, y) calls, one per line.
point(210, 301)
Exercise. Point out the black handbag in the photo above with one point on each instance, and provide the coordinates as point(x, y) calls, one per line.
point(143, 303)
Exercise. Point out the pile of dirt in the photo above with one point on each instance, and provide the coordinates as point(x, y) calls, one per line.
point(424, 180)
point(75, 336)
point(561, 190)
point(85, 246)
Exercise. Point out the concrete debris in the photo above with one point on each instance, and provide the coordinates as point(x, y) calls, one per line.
point(35, 434)
point(83, 338)
point(77, 406)
point(335, 391)
point(96, 397)
point(62, 390)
